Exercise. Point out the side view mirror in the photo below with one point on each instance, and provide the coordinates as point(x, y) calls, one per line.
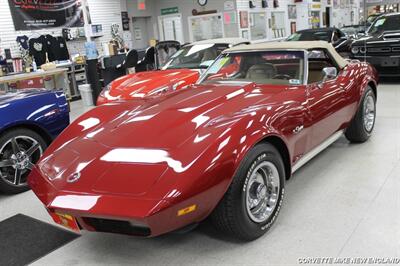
point(329, 73)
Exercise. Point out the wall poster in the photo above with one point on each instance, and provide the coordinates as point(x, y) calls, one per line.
point(244, 19)
point(293, 27)
point(206, 27)
point(41, 14)
point(292, 13)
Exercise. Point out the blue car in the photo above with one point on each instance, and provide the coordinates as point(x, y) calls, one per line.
point(29, 121)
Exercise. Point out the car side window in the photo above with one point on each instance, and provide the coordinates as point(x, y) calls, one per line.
point(341, 34)
point(318, 59)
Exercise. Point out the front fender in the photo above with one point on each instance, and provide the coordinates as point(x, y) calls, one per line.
point(208, 174)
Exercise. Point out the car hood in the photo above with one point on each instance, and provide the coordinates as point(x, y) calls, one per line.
point(384, 38)
point(140, 142)
point(169, 121)
point(11, 97)
point(140, 84)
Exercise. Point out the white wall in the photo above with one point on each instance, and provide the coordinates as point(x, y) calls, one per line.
point(340, 15)
point(152, 31)
point(185, 9)
point(105, 12)
point(244, 5)
point(153, 9)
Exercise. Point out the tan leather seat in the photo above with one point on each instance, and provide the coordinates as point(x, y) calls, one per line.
point(315, 71)
point(209, 54)
point(261, 71)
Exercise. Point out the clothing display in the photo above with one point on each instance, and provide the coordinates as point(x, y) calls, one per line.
point(51, 44)
point(23, 45)
point(38, 49)
point(55, 48)
point(61, 49)
point(23, 41)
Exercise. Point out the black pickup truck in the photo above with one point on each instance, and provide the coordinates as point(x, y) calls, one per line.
point(381, 45)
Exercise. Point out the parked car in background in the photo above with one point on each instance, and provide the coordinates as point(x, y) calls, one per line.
point(381, 45)
point(222, 148)
point(182, 69)
point(336, 37)
point(29, 121)
point(353, 31)
point(371, 18)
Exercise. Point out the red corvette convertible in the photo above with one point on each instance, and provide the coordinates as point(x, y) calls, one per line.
point(221, 149)
point(181, 70)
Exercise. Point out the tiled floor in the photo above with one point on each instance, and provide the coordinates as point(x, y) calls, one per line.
point(344, 203)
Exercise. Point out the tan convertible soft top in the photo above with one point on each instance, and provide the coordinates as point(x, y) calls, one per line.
point(300, 45)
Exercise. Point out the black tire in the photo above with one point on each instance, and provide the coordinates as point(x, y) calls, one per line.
point(5, 185)
point(357, 131)
point(231, 215)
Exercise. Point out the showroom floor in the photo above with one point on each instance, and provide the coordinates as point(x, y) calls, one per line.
point(344, 203)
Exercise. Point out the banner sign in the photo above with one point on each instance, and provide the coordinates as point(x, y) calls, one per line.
point(41, 14)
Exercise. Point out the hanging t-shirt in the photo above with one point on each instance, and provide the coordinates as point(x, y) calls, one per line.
point(57, 48)
point(51, 47)
point(62, 49)
point(23, 41)
point(38, 49)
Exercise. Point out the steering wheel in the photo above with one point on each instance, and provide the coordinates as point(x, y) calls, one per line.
point(282, 76)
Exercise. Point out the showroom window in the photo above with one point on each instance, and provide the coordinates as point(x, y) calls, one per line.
point(258, 26)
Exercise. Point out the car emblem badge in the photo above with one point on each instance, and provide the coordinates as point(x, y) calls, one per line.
point(73, 178)
point(298, 129)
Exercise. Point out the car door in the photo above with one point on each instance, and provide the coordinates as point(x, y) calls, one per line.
point(325, 99)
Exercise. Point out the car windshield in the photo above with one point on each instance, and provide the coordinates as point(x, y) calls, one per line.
point(372, 18)
point(311, 36)
point(267, 67)
point(195, 56)
point(349, 30)
point(383, 24)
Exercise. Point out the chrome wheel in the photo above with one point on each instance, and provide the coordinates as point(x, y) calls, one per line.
point(369, 112)
point(17, 157)
point(262, 192)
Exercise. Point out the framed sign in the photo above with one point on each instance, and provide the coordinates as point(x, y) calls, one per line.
point(46, 14)
point(229, 18)
point(206, 27)
point(138, 34)
point(125, 21)
point(244, 19)
point(245, 34)
point(292, 27)
point(229, 5)
point(292, 12)
point(169, 11)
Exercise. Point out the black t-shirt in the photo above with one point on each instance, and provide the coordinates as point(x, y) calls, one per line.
point(51, 43)
point(62, 49)
point(38, 49)
point(23, 41)
point(57, 48)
